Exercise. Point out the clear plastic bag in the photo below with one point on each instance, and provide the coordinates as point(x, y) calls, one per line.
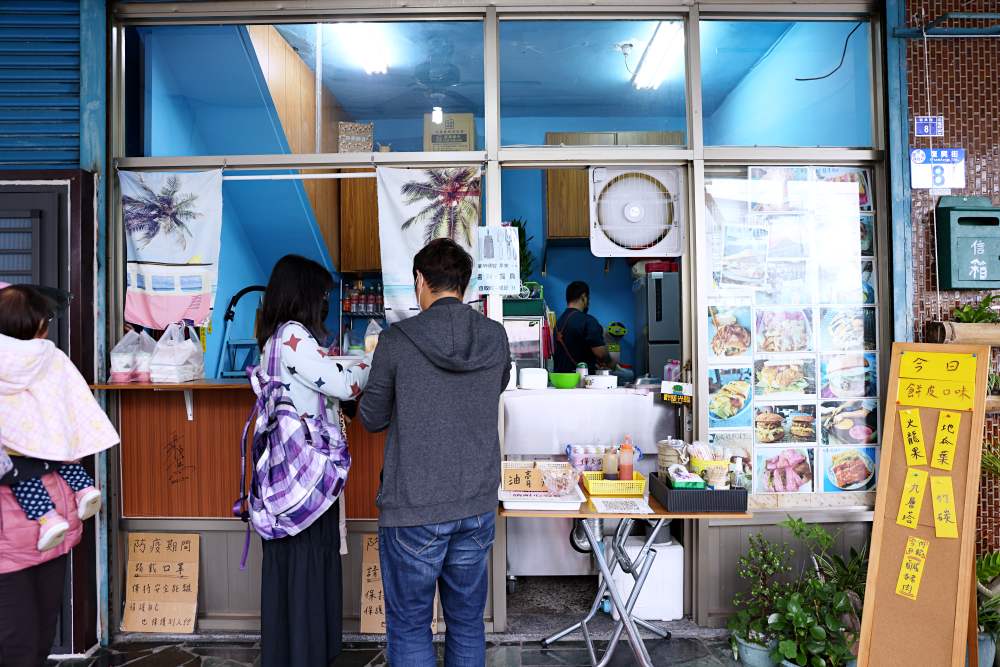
point(176, 358)
point(372, 333)
point(123, 358)
point(143, 358)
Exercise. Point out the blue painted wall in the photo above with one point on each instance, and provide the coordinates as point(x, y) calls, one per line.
point(770, 108)
point(262, 220)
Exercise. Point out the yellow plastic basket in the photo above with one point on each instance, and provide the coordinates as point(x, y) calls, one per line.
point(596, 485)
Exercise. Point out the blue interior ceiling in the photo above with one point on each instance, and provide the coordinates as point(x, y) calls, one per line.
point(198, 105)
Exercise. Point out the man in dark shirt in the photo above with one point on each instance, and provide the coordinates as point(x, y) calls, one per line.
point(579, 336)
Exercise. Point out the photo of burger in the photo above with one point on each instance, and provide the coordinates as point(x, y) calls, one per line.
point(729, 331)
point(848, 376)
point(784, 423)
point(803, 428)
point(769, 427)
point(789, 377)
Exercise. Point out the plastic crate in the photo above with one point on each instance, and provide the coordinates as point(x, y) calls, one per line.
point(596, 485)
point(697, 500)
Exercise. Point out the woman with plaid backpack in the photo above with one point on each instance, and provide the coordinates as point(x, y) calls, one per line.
point(300, 465)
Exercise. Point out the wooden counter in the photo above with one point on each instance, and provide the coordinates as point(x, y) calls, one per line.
point(175, 467)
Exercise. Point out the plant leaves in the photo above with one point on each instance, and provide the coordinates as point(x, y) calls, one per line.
point(788, 648)
point(817, 632)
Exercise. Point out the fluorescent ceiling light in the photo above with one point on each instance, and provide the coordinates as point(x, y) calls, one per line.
point(437, 115)
point(366, 44)
point(661, 57)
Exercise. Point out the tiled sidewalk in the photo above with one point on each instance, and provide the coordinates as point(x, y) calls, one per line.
point(680, 651)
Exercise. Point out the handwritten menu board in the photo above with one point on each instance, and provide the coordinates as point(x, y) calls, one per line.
point(372, 594)
point(921, 571)
point(161, 593)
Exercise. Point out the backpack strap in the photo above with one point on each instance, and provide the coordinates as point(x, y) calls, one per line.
point(562, 339)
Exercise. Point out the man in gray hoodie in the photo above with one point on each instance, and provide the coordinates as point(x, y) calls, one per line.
point(435, 384)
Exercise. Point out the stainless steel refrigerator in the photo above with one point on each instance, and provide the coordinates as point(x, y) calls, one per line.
point(658, 322)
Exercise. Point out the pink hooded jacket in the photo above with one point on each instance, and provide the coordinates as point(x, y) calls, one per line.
point(19, 535)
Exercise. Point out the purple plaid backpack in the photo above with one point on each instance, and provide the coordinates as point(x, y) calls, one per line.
point(300, 462)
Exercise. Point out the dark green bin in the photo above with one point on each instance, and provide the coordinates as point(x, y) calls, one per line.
point(968, 240)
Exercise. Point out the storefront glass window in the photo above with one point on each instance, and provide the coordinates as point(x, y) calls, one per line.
point(792, 325)
point(592, 83)
point(785, 83)
point(272, 89)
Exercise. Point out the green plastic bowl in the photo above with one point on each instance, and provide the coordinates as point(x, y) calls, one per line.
point(564, 380)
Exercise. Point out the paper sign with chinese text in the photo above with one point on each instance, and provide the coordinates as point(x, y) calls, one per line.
point(946, 440)
point(498, 266)
point(910, 572)
point(521, 476)
point(943, 499)
point(372, 593)
point(938, 366)
point(912, 500)
point(913, 437)
point(161, 592)
point(939, 394)
point(917, 547)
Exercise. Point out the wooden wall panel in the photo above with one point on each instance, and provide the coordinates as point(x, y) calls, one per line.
point(172, 467)
point(360, 249)
point(367, 455)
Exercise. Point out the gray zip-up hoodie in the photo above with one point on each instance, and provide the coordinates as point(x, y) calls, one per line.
point(435, 383)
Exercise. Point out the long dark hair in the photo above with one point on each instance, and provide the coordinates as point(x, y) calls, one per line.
point(298, 290)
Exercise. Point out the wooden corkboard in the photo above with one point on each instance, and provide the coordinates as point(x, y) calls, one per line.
point(932, 629)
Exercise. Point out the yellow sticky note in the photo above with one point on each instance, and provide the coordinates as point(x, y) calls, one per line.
point(917, 547)
point(938, 366)
point(946, 440)
point(912, 500)
point(936, 394)
point(943, 499)
point(910, 572)
point(913, 437)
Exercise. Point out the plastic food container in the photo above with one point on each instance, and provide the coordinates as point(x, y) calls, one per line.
point(560, 480)
point(534, 378)
point(596, 485)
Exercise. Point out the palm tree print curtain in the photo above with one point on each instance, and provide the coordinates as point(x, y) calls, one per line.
point(173, 226)
point(416, 206)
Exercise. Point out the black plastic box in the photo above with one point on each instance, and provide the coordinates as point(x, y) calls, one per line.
point(696, 500)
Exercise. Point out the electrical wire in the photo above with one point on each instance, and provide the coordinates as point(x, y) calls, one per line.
point(843, 55)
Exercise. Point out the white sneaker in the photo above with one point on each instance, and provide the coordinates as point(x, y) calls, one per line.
point(52, 532)
point(88, 503)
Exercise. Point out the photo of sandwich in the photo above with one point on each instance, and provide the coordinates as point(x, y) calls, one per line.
point(784, 422)
point(730, 396)
point(729, 330)
point(850, 469)
point(769, 427)
point(784, 470)
point(803, 428)
point(850, 328)
point(785, 378)
point(849, 422)
point(782, 330)
point(848, 376)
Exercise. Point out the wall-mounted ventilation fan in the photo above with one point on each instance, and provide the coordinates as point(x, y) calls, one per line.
point(637, 212)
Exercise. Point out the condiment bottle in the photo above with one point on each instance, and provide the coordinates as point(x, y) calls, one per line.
point(576, 457)
point(582, 371)
point(625, 455)
point(611, 464)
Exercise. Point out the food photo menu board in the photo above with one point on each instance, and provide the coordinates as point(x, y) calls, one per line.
point(792, 325)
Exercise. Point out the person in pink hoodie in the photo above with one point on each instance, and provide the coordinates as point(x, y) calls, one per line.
point(48, 416)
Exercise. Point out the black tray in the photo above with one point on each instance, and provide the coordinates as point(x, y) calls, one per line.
point(697, 500)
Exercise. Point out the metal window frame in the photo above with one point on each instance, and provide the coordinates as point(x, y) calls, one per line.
point(696, 157)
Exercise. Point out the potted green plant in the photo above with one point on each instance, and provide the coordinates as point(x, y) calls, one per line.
point(762, 567)
point(523, 239)
point(972, 323)
point(819, 623)
point(988, 597)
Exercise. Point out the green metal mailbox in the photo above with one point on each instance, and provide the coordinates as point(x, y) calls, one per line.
point(968, 239)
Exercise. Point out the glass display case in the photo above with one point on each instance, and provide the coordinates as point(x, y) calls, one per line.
point(526, 337)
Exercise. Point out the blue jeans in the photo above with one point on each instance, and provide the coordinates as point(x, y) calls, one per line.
point(454, 556)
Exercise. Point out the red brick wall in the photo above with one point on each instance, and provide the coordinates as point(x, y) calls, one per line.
point(965, 88)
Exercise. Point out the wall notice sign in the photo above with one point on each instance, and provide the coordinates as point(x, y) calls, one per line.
point(372, 593)
point(936, 394)
point(928, 126)
point(161, 593)
point(498, 265)
point(938, 366)
point(943, 457)
point(912, 499)
point(943, 499)
point(940, 168)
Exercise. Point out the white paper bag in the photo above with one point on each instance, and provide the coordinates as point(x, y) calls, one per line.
point(176, 358)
